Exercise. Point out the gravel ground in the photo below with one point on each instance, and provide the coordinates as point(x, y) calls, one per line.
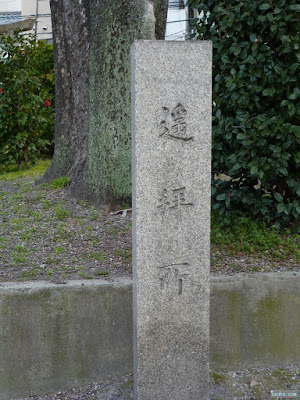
point(45, 235)
point(253, 384)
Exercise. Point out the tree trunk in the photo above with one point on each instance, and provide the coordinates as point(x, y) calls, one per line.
point(160, 12)
point(114, 26)
point(70, 25)
point(92, 41)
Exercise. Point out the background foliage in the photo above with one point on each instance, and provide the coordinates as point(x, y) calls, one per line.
point(256, 110)
point(26, 98)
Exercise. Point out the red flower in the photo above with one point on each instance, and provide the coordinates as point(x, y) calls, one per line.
point(1, 90)
point(47, 103)
point(229, 194)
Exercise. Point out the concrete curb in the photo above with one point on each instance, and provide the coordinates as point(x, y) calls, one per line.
point(55, 337)
point(255, 320)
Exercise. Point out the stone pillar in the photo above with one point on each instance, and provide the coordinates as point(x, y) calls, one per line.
point(171, 125)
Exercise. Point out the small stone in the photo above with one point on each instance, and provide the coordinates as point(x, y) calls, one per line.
point(253, 383)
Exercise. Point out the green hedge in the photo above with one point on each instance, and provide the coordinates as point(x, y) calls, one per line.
point(26, 98)
point(256, 110)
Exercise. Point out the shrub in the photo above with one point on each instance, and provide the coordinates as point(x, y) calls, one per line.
point(256, 133)
point(26, 98)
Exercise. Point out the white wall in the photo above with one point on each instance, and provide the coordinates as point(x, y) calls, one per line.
point(176, 30)
point(10, 5)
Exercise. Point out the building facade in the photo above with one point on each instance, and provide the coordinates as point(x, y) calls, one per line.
point(178, 21)
point(11, 11)
point(18, 11)
point(41, 9)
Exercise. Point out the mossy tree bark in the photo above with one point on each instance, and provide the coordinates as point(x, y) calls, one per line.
point(114, 26)
point(92, 41)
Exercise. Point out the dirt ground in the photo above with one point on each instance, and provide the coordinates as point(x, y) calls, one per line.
point(45, 235)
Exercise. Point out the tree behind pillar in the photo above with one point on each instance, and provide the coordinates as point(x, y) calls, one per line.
point(71, 58)
point(114, 26)
point(92, 41)
point(160, 11)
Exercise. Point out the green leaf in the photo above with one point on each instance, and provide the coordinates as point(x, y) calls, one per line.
point(277, 225)
point(278, 70)
point(269, 92)
point(285, 39)
point(293, 96)
point(281, 207)
point(235, 168)
point(225, 59)
point(264, 6)
point(261, 174)
point(278, 197)
point(253, 170)
point(283, 171)
point(221, 196)
point(236, 51)
point(294, 7)
point(218, 113)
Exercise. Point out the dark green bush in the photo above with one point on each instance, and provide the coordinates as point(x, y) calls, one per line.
point(26, 98)
point(256, 109)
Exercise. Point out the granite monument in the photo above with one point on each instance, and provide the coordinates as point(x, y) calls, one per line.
point(171, 139)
